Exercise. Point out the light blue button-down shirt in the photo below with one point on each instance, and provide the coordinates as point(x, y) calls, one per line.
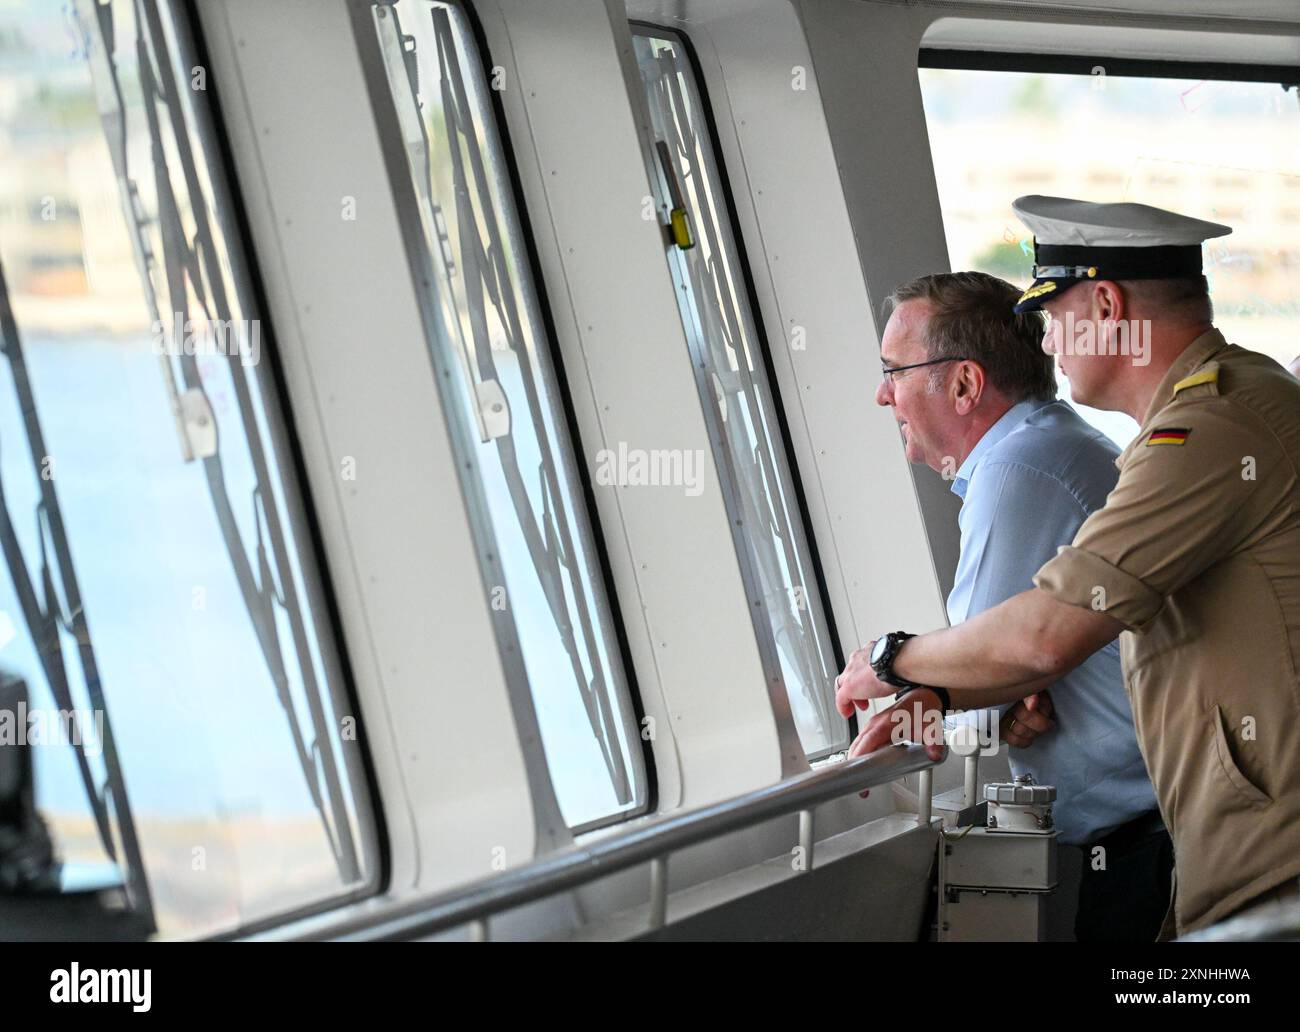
point(1026, 488)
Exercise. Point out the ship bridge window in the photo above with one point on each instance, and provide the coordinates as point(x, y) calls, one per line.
point(1227, 151)
point(173, 721)
point(501, 395)
point(736, 393)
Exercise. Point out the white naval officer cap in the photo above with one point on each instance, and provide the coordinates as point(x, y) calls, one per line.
point(1075, 241)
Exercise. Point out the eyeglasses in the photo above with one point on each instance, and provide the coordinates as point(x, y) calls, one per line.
point(889, 371)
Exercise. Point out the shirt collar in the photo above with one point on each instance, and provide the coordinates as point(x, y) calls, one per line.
point(1010, 419)
point(1196, 354)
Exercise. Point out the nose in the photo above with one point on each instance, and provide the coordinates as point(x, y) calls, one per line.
point(1049, 338)
point(885, 392)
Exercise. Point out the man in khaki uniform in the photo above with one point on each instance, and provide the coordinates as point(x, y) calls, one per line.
point(1196, 555)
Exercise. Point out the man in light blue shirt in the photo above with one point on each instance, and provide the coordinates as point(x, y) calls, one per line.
point(1026, 488)
point(974, 394)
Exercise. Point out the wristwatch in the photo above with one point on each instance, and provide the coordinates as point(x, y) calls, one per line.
point(883, 655)
point(882, 662)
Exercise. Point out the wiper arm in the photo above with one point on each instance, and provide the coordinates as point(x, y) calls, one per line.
point(491, 408)
point(43, 622)
point(486, 272)
point(723, 338)
point(485, 285)
point(112, 111)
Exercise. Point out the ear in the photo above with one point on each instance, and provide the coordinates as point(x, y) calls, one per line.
point(1108, 301)
point(967, 387)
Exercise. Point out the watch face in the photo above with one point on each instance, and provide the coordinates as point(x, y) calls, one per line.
point(878, 653)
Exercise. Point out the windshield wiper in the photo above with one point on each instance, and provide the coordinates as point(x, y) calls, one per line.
point(722, 338)
point(487, 271)
point(195, 265)
point(44, 615)
point(486, 286)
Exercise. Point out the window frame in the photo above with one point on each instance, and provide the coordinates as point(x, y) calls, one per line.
point(1076, 64)
point(206, 124)
point(552, 831)
point(784, 452)
point(1026, 62)
point(249, 283)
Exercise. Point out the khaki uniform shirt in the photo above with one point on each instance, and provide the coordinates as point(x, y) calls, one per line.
point(1197, 552)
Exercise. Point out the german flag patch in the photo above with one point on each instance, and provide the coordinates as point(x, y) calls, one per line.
point(1169, 435)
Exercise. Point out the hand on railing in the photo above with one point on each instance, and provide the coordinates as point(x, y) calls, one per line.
point(917, 717)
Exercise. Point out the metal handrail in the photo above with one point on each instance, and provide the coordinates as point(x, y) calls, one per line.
point(651, 843)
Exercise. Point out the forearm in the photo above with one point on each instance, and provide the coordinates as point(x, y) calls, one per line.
point(1007, 652)
point(961, 696)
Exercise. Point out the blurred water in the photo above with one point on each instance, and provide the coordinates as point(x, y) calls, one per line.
point(194, 711)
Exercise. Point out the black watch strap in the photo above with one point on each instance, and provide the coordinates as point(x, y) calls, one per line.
point(945, 702)
point(884, 669)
